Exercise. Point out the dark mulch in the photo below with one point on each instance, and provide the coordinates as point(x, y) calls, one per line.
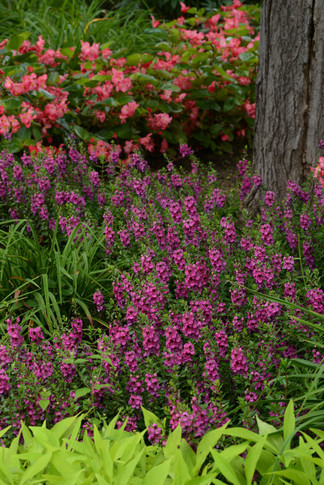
point(224, 164)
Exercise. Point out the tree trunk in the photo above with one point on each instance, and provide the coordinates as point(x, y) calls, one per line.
point(289, 91)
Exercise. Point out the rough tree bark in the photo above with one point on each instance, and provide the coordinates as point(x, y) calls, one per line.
point(289, 91)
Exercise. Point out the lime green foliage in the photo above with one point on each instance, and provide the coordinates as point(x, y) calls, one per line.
point(61, 455)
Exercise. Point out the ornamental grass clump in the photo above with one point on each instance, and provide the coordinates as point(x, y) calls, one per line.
point(207, 315)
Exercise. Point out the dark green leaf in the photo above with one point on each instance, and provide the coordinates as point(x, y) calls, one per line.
point(46, 94)
point(37, 133)
point(11, 103)
point(16, 41)
point(229, 104)
point(82, 133)
point(216, 129)
point(66, 51)
point(248, 57)
point(24, 133)
point(15, 145)
point(52, 78)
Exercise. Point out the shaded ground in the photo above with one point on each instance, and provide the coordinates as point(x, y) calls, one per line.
point(224, 164)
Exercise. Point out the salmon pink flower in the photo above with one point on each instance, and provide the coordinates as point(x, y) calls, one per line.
point(159, 121)
point(105, 53)
point(3, 43)
point(4, 125)
point(147, 142)
point(166, 96)
point(127, 111)
point(15, 126)
point(27, 117)
point(184, 8)
point(101, 116)
point(89, 53)
point(164, 146)
point(249, 108)
point(155, 23)
point(213, 21)
point(39, 45)
point(120, 82)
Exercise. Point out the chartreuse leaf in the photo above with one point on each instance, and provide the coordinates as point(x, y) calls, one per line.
point(67, 426)
point(181, 470)
point(315, 445)
point(243, 433)
point(101, 446)
point(5, 472)
point(252, 459)
point(4, 430)
point(43, 403)
point(87, 447)
point(265, 428)
point(274, 438)
point(45, 437)
point(110, 428)
point(126, 446)
point(173, 443)
point(307, 465)
point(125, 472)
point(158, 474)
point(223, 465)
point(297, 476)
point(188, 455)
point(206, 444)
point(206, 480)
point(14, 445)
point(74, 479)
point(66, 464)
point(150, 418)
point(289, 421)
point(266, 461)
point(232, 452)
point(37, 467)
point(101, 480)
point(72, 440)
point(81, 392)
point(108, 465)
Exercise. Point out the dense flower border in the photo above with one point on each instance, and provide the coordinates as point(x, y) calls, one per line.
point(187, 336)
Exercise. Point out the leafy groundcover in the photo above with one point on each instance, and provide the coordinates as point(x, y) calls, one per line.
point(115, 456)
point(195, 85)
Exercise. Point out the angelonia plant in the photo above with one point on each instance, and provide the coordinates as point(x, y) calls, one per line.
point(204, 317)
point(197, 86)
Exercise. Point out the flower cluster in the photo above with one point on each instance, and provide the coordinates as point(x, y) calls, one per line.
point(182, 331)
point(140, 100)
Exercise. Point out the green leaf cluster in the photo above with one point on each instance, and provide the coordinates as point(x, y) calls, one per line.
point(62, 455)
